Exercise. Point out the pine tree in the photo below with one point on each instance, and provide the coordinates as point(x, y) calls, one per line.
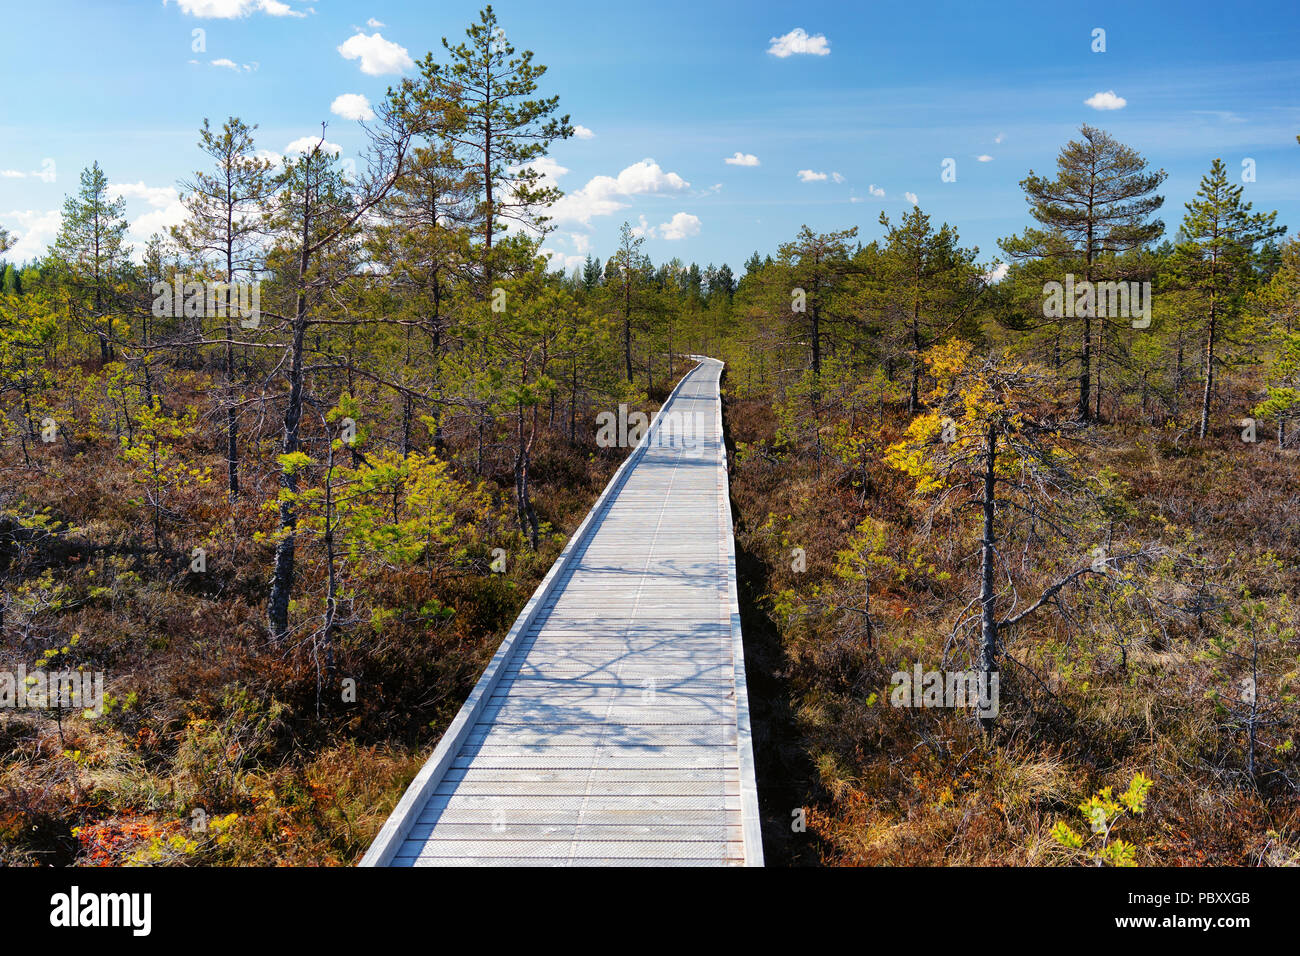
point(527, 343)
point(627, 264)
point(993, 447)
point(224, 227)
point(1098, 205)
point(931, 280)
point(315, 218)
point(816, 261)
point(503, 129)
point(1280, 302)
point(423, 244)
point(1216, 261)
point(90, 251)
point(159, 465)
point(591, 273)
point(723, 283)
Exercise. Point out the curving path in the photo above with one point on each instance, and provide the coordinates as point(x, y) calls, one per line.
point(612, 726)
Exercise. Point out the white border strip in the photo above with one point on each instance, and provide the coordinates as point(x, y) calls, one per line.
point(393, 833)
point(751, 828)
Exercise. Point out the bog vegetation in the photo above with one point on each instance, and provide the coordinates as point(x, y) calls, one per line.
point(285, 476)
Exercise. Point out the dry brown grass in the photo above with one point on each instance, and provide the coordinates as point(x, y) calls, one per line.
point(903, 787)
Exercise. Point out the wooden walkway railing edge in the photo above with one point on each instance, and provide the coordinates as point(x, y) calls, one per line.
point(751, 830)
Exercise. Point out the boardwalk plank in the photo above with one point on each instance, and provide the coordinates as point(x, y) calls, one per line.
point(612, 726)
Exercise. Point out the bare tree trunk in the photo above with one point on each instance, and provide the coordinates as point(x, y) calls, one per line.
point(914, 399)
point(627, 319)
point(816, 342)
point(406, 425)
point(523, 500)
point(478, 459)
point(1178, 380)
point(988, 617)
point(1098, 354)
point(573, 404)
point(1085, 372)
point(232, 428)
point(1208, 394)
point(277, 611)
point(331, 583)
point(1085, 357)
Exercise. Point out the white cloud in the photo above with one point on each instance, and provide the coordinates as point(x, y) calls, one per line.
point(159, 220)
point(225, 64)
point(156, 196)
point(352, 106)
point(911, 197)
point(305, 144)
point(562, 260)
point(877, 191)
point(741, 159)
point(167, 209)
point(997, 273)
point(549, 168)
point(277, 9)
point(12, 174)
point(643, 228)
point(550, 172)
point(219, 9)
point(984, 158)
point(582, 132)
point(1000, 137)
point(35, 232)
point(377, 55)
point(681, 226)
point(808, 176)
point(233, 9)
point(375, 24)
point(856, 199)
point(1106, 101)
point(271, 156)
point(837, 177)
point(605, 195)
point(559, 259)
point(647, 177)
point(798, 41)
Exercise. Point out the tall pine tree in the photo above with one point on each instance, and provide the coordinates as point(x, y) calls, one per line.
point(1098, 205)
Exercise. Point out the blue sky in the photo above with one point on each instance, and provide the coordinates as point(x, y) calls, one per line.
point(859, 123)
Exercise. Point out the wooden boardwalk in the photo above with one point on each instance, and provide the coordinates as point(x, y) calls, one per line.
point(612, 725)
